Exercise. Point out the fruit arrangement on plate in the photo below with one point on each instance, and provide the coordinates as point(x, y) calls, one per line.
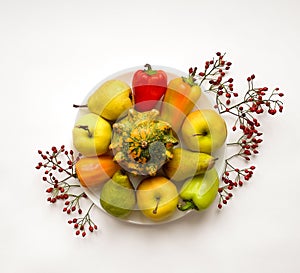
point(151, 145)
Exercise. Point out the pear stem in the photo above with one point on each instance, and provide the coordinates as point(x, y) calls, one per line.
point(85, 127)
point(80, 106)
point(156, 208)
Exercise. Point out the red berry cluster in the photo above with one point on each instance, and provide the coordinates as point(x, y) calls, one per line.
point(214, 73)
point(232, 178)
point(59, 168)
point(255, 101)
point(80, 223)
point(73, 204)
point(56, 163)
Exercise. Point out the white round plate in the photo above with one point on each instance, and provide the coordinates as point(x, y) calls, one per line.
point(205, 102)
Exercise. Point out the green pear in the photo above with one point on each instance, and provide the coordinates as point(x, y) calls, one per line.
point(118, 195)
point(185, 164)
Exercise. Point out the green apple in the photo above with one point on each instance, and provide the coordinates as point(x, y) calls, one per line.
point(92, 135)
point(204, 130)
point(157, 198)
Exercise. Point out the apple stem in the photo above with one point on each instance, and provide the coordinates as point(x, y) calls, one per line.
point(85, 127)
point(203, 134)
point(156, 208)
point(80, 106)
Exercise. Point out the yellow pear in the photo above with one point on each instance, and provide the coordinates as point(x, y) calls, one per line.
point(185, 164)
point(111, 100)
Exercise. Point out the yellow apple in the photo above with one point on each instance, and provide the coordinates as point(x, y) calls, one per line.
point(92, 135)
point(204, 130)
point(157, 198)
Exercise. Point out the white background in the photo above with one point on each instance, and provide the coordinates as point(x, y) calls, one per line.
point(53, 52)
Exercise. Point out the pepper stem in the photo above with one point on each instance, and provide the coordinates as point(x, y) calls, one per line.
point(187, 206)
point(149, 70)
point(189, 80)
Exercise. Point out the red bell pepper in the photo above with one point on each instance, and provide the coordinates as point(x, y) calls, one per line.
point(148, 87)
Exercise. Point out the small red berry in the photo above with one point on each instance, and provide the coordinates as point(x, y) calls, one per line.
point(247, 152)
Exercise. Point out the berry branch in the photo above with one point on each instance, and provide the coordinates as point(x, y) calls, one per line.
point(79, 223)
point(256, 101)
point(59, 165)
